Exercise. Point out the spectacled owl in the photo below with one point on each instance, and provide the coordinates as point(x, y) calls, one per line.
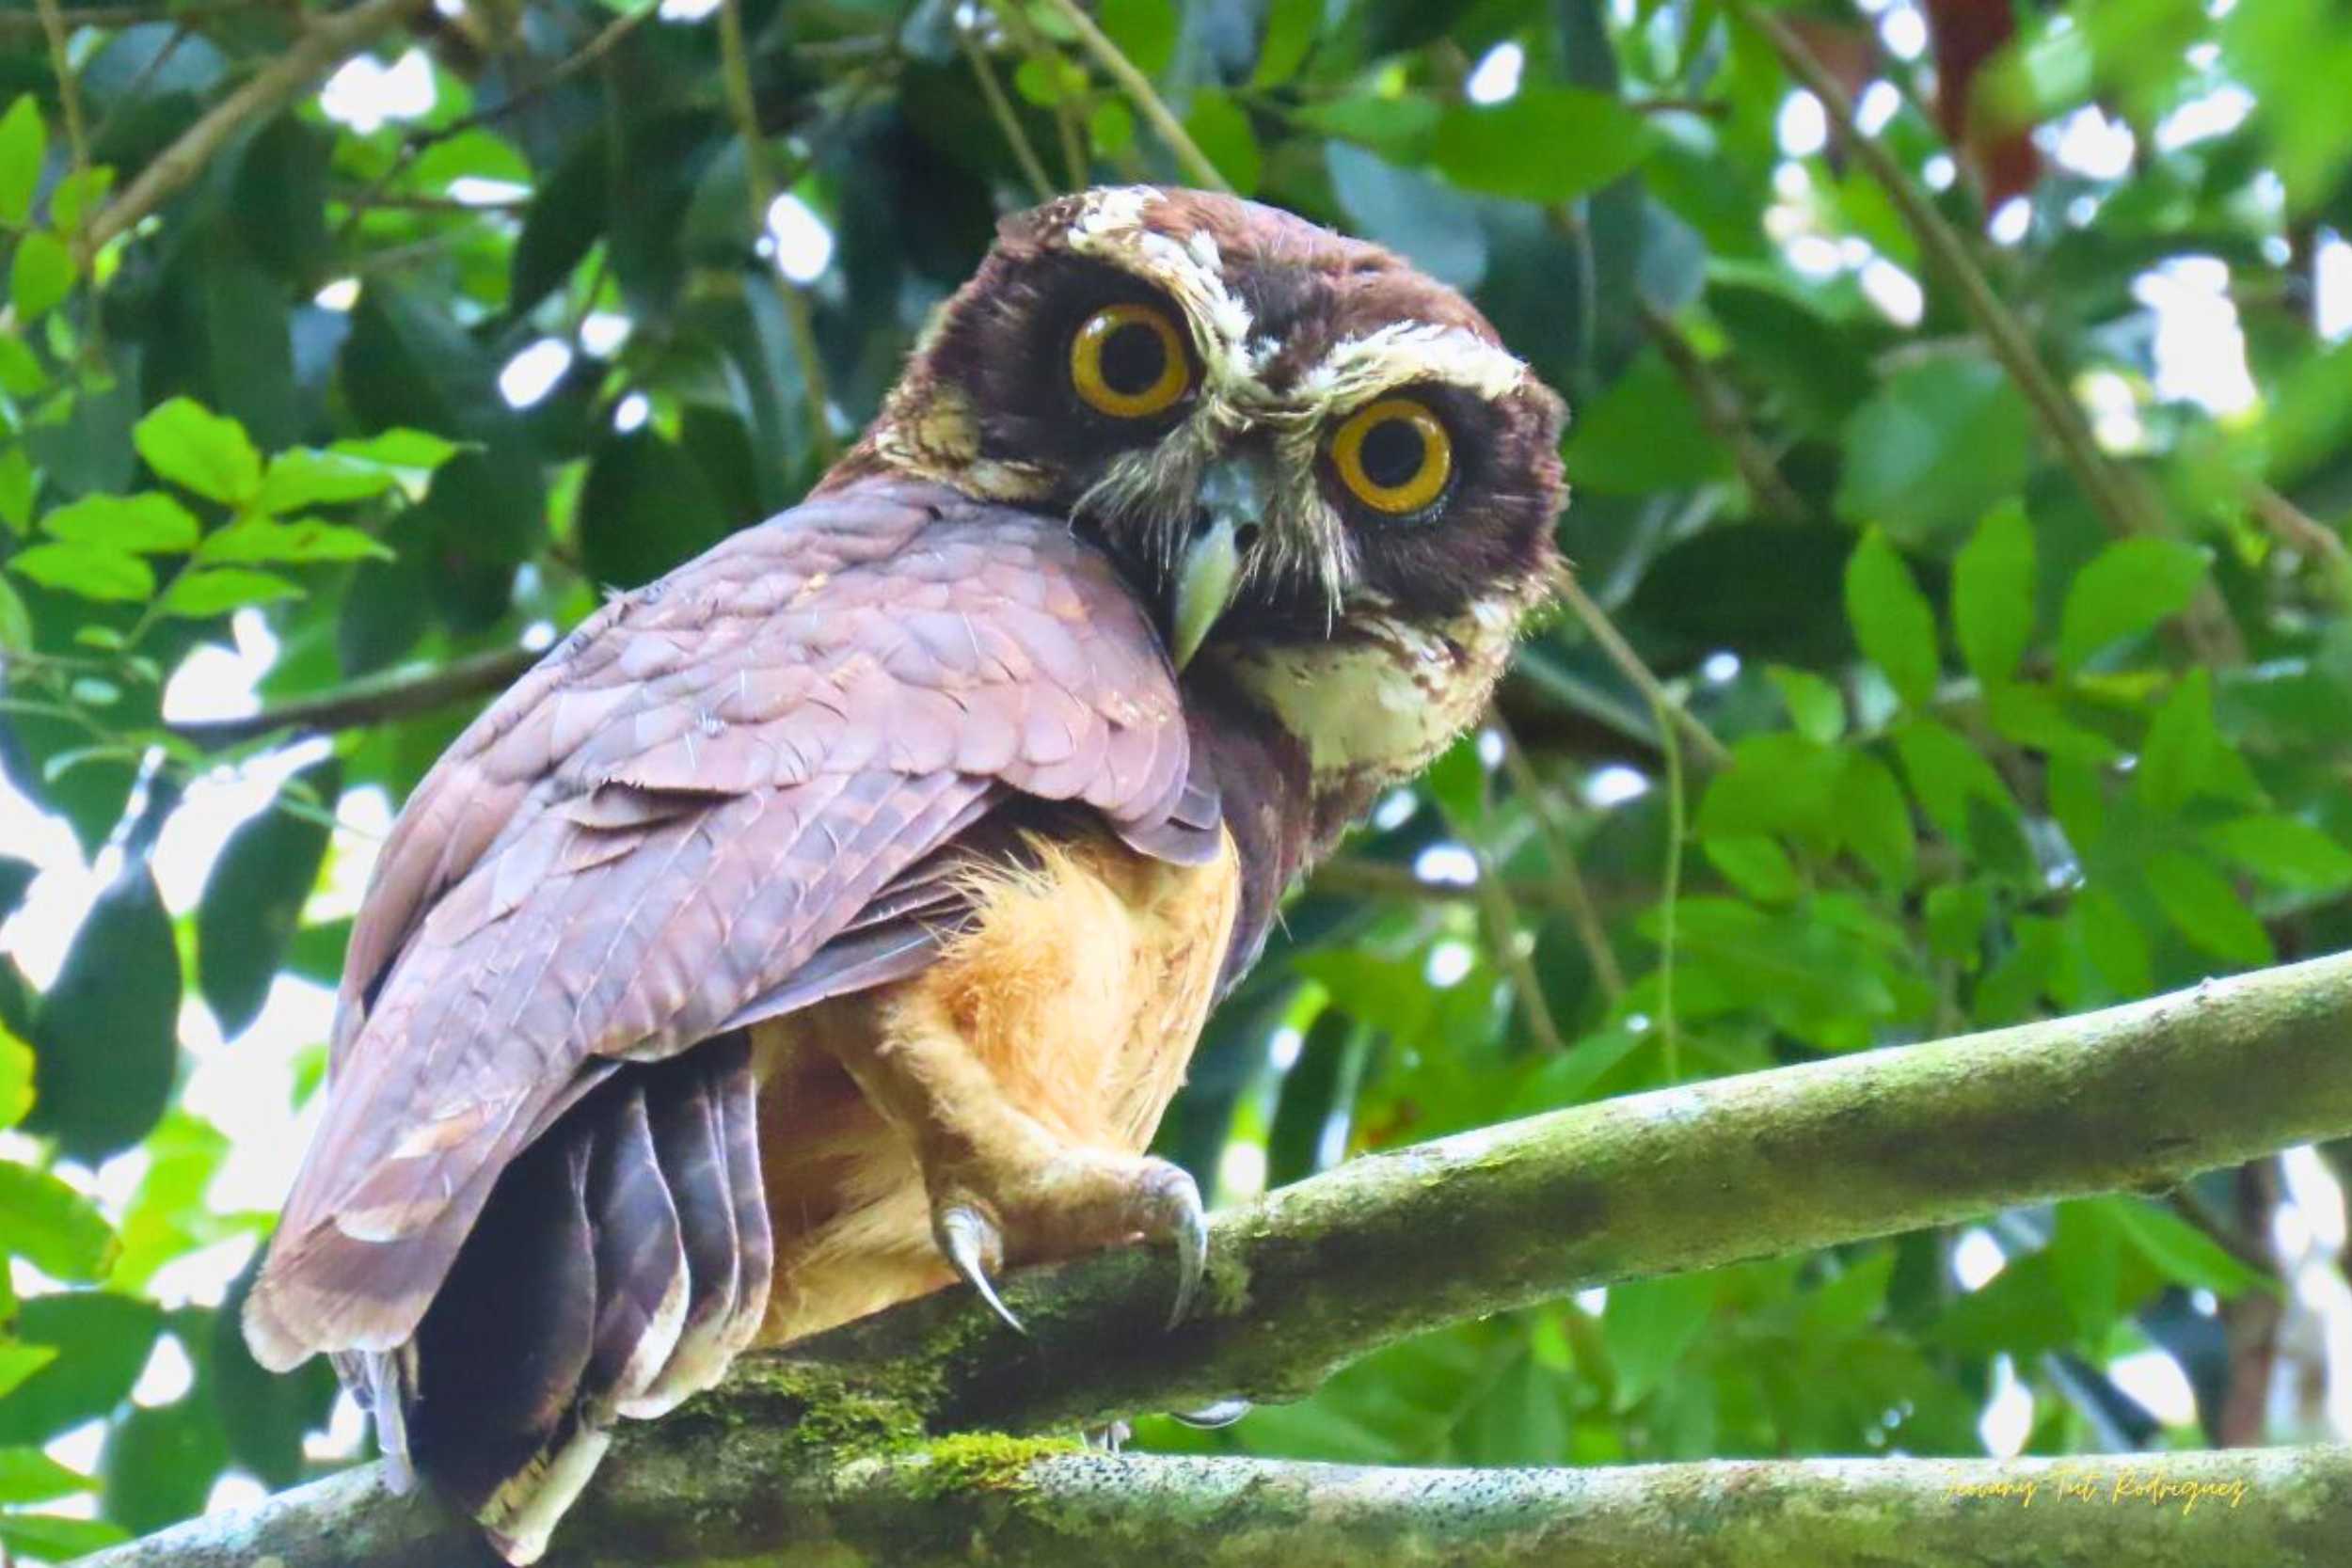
point(833, 917)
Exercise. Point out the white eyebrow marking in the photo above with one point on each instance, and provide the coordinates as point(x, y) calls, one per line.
point(1357, 369)
point(1110, 227)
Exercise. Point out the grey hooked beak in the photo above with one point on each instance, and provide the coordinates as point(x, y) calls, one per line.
point(1232, 498)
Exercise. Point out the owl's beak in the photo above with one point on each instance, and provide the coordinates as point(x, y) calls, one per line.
point(1231, 500)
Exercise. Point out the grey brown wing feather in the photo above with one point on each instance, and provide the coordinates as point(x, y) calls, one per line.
point(668, 820)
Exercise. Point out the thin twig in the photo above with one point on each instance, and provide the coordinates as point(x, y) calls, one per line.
point(1039, 51)
point(2303, 533)
point(1718, 407)
point(1501, 915)
point(12, 22)
point(326, 45)
point(1569, 881)
point(1143, 95)
point(1621, 654)
point(2123, 502)
point(68, 89)
point(735, 61)
point(367, 703)
point(1670, 895)
point(1357, 877)
point(563, 70)
point(1001, 107)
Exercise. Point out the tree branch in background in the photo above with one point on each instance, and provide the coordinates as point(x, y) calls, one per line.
point(369, 701)
point(2123, 502)
point(1322, 1273)
point(323, 46)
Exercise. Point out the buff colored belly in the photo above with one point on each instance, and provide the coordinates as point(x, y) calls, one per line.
point(1082, 988)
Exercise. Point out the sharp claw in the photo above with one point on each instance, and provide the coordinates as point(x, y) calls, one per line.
point(1189, 1230)
point(968, 1238)
point(1224, 1413)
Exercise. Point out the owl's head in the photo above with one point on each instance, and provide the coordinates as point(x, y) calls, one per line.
point(1317, 463)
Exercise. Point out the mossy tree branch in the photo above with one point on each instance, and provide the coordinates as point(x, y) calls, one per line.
point(717, 1494)
point(801, 1441)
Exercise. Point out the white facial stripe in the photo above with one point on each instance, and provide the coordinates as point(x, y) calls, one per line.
point(1360, 369)
point(1111, 227)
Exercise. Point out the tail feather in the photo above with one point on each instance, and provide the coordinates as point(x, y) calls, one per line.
point(619, 1266)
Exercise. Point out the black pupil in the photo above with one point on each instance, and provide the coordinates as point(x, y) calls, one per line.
point(1132, 359)
point(1392, 452)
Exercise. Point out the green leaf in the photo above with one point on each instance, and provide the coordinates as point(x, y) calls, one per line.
point(107, 1039)
point(2125, 591)
point(1220, 128)
point(23, 143)
point(2032, 714)
point(30, 1476)
point(191, 446)
point(1892, 619)
point(2182, 745)
point(1290, 33)
point(2205, 908)
point(1649, 1324)
point(2283, 850)
point(42, 275)
point(1398, 127)
point(16, 622)
point(253, 897)
point(55, 1537)
point(1873, 819)
point(1951, 780)
point(16, 1077)
point(405, 451)
point(2113, 940)
point(18, 481)
point(88, 571)
point(21, 377)
point(160, 1461)
point(2180, 1251)
point(645, 509)
point(302, 477)
point(258, 541)
point(200, 594)
point(1145, 31)
point(1757, 866)
point(18, 1362)
point(1944, 441)
point(1815, 706)
point(1643, 433)
point(53, 1227)
point(78, 195)
point(1776, 784)
point(1543, 144)
point(148, 523)
point(102, 1341)
point(1993, 590)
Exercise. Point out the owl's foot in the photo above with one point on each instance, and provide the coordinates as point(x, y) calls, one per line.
point(1074, 1201)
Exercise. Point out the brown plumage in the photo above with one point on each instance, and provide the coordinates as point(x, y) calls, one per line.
point(837, 915)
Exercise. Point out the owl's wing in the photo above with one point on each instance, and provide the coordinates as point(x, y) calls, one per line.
point(722, 795)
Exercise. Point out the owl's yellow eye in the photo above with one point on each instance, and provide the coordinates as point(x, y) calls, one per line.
point(1128, 361)
point(1393, 456)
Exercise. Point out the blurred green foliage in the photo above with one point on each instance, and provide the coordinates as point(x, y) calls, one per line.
point(1982, 759)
